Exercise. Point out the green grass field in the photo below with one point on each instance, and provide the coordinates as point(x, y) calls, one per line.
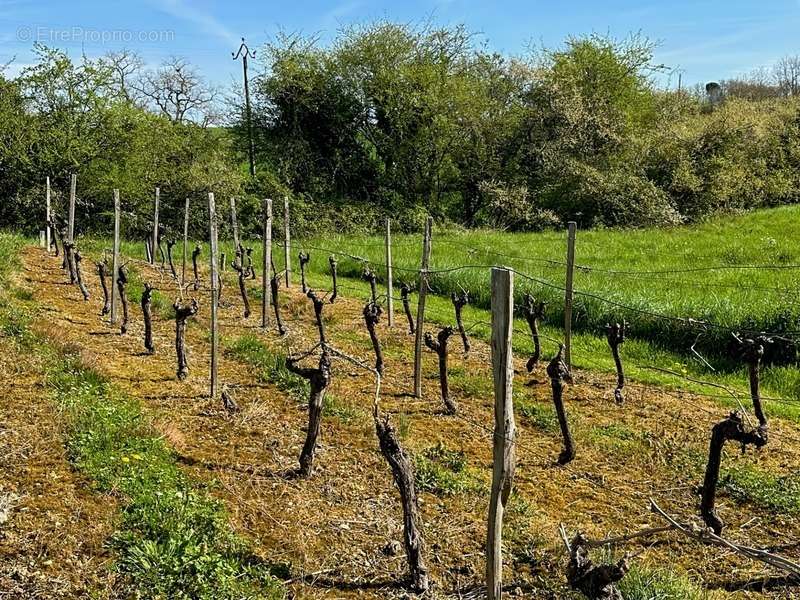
point(710, 284)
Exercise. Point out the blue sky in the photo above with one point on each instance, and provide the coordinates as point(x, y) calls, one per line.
point(706, 39)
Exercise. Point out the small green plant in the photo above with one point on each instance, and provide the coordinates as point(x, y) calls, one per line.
point(643, 583)
point(777, 493)
point(443, 472)
point(541, 416)
point(615, 438)
point(271, 366)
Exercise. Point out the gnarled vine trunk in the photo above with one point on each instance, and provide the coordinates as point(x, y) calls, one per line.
point(77, 259)
point(596, 582)
point(534, 312)
point(615, 335)
point(195, 255)
point(69, 257)
point(319, 304)
point(372, 314)
point(369, 276)
point(182, 314)
point(241, 271)
point(248, 255)
point(303, 259)
point(439, 345)
point(404, 291)
point(559, 373)
point(122, 282)
point(459, 302)
point(147, 313)
point(274, 284)
point(319, 379)
point(403, 474)
point(102, 272)
point(332, 263)
point(170, 245)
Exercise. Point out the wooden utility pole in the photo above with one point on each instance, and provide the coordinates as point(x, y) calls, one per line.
point(266, 262)
point(504, 451)
point(115, 257)
point(389, 288)
point(212, 230)
point(154, 247)
point(185, 241)
point(423, 292)
point(73, 184)
point(47, 215)
point(287, 245)
point(571, 228)
point(234, 225)
point(245, 52)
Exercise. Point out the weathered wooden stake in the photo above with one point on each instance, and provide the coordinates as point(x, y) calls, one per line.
point(73, 185)
point(571, 228)
point(423, 291)
point(156, 241)
point(504, 448)
point(115, 256)
point(389, 286)
point(234, 223)
point(287, 245)
point(185, 241)
point(212, 226)
point(266, 261)
point(47, 224)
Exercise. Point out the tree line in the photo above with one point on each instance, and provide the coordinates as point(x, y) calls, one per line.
point(407, 121)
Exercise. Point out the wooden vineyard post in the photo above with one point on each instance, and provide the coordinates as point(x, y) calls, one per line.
point(389, 287)
point(504, 451)
point(115, 257)
point(185, 241)
point(212, 227)
point(47, 215)
point(423, 292)
point(287, 245)
point(154, 246)
point(73, 184)
point(266, 261)
point(571, 227)
point(234, 224)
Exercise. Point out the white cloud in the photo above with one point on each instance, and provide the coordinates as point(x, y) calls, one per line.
point(185, 11)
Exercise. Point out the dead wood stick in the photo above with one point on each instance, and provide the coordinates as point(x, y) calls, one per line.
point(403, 474)
point(372, 314)
point(533, 312)
point(615, 335)
point(559, 373)
point(459, 302)
point(195, 255)
point(122, 282)
point(707, 537)
point(404, 291)
point(318, 379)
point(102, 272)
point(439, 345)
point(147, 313)
point(332, 263)
point(303, 258)
point(182, 314)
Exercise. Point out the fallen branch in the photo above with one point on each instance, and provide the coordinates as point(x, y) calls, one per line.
point(439, 345)
point(559, 373)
